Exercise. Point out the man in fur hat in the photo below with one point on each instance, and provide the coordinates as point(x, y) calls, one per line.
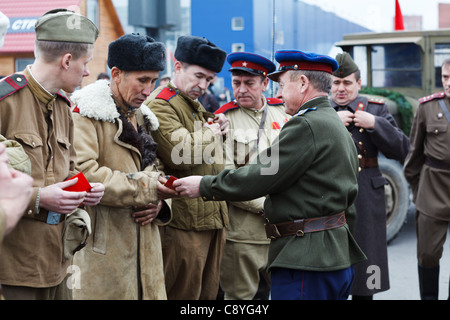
point(189, 142)
point(114, 146)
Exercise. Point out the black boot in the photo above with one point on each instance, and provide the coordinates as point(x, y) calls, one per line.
point(429, 283)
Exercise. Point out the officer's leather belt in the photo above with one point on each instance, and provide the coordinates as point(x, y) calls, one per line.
point(368, 162)
point(301, 226)
point(437, 164)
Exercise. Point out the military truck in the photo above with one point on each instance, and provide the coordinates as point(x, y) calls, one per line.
point(401, 67)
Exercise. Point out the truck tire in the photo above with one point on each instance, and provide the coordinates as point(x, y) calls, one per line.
point(397, 196)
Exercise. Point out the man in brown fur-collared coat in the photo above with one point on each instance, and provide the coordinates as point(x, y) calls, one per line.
point(123, 258)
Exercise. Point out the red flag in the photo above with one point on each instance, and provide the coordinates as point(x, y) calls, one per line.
point(398, 25)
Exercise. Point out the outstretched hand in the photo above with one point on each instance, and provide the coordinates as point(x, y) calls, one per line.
point(189, 186)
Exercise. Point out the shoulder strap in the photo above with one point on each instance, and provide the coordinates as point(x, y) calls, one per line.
point(445, 109)
point(376, 100)
point(437, 95)
point(166, 94)
point(226, 107)
point(11, 84)
point(274, 101)
point(302, 112)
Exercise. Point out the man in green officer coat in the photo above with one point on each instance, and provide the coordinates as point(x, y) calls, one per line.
point(310, 176)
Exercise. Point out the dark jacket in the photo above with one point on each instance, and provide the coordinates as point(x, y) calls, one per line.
point(312, 173)
point(370, 226)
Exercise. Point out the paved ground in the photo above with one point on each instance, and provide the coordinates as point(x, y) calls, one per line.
point(403, 267)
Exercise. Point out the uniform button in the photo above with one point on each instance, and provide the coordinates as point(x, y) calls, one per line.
point(360, 143)
point(33, 144)
point(204, 198)
point(30, 211)
point(361, 130)
point(359, 169)
point(359, 156)
point(19, 79)
point(436, 131)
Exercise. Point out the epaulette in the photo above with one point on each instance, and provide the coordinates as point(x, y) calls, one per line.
point(166, 94)
point(11, 84)
point(302, 112)
point(274, 101)
point(437, 95)
point(66, 98)
point(227, 107)
point(376, 100)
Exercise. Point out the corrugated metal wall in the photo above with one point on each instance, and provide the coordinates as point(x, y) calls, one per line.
point(297, 26)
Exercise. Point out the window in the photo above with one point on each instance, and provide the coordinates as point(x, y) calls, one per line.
point(237, 24)
point(360, 58)
point(92, 11)
point(441, 52)
point(397, 65)
point(21, 63)
point(237, 47)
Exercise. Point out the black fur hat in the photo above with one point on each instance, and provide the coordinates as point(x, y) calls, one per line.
point(134, 52)
point(201, 52)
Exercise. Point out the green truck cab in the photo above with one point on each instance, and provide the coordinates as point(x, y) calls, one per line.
point(400, 67)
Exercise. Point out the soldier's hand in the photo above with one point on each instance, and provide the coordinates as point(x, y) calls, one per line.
point(165, 192)
point(346, 117)
point(94, 196)
point(364, 120)
point(222, 120)
point(55, 198)
point(147, 214)
point(215, 127)
point(188, 186)
point(16, 189)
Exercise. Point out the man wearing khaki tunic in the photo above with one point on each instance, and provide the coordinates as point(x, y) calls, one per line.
point(35, 112)
point(255, 121)
point(189, 141)
point(427, 169)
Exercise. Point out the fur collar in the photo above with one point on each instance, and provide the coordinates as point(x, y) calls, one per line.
point(96, 101)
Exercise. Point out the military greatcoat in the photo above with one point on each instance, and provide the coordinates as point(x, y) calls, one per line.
point(370, 226)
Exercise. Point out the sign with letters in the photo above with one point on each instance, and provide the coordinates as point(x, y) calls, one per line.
point(21, 24)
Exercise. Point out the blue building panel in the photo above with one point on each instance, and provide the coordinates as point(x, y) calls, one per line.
point(268, 25)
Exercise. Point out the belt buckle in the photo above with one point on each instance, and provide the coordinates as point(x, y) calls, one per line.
point(300, 226)
point(53, 217)
point(271, 230)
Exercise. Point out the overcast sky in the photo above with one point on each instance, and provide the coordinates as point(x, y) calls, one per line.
point(378, 15)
